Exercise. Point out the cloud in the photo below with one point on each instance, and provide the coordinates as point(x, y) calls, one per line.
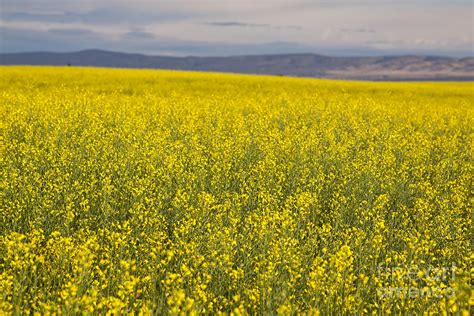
point(139, 35)
point(358, 30)
point(136, 41)
point(72, 32)
point(187, 26)
point(140, 41)
point(17, 40)
point(252, 25)
point(99, 16)
point(238, 24)
point(376, 3)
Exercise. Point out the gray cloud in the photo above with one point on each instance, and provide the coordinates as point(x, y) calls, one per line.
point(238, 24)
point(72, 32)
point(71, 40)
point(100, 16)
point(139, 35)
point(17, 40)
point(373, 3)
point(235, 26)
point(251, 25)
point(358, 30)
point(67, 40)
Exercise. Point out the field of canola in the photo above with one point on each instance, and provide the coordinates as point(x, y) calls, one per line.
point(191, 193)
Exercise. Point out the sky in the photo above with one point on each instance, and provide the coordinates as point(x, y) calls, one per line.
point(236, 27)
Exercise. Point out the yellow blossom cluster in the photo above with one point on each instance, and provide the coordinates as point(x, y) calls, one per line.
point(163, 192)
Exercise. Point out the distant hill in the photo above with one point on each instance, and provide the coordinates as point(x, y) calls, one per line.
point(300, 65)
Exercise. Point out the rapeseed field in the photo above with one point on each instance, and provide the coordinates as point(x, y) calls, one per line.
point(161, 192)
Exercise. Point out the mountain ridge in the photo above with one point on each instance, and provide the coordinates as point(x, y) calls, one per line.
point(388, 68)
